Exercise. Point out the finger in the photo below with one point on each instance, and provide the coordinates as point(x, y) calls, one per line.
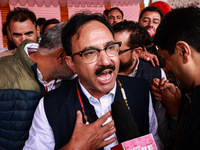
point(157, 96)
point(107, 142)
point(145, 49)
point(158, 99)
point(103, 118)
point(109, 132)
point(168, 85)
point(162, 82)
point(155, 89)
point(152, 62)
point(156, 81)
point(79, 119)
point(108, 126)
point(156, 60)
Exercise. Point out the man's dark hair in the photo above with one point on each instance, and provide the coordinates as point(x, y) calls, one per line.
point(75, 23)
point(40, 21)
point(181, 24)
point(52, 38)
point(117, 8)
point(152, 9)
point(106, 12)
point(48, 22)
point(4, 29)
point(21, 15)
point(137, 33)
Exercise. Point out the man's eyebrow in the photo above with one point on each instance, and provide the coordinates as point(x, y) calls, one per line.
point(17, 34)
point(156, 19)
point(108, 43)
point(29, 32)
point(93, 47)
point(146, 18)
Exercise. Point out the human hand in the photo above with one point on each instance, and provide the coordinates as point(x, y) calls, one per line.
point(150, 57)
point(7, 53)
point(155, 89)
point(171, 97)
point(91, 136)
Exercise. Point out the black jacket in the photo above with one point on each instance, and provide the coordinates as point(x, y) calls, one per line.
point(61, 105)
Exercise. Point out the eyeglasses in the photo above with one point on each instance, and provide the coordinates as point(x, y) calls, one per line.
point(123, 51)
point(92, 54)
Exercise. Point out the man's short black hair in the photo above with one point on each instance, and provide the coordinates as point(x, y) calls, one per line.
point(137, 34)
point(48, 22)
point(117, 8)
point(106, 12)
point(21, 14)
point(40, 21)
point(181, 24)
point(4, 29)
point(152, 9)
point(74, 24)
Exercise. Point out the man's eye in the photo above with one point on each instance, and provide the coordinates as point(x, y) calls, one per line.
point(111, 47)
point(145, 20)
point(17, 36)
point(29, 34)
point(111, 17)
point(156, 22)
point(90, 52)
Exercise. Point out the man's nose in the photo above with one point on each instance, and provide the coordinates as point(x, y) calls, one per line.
point(151, 23)
point(23, 37)
point(104, 59)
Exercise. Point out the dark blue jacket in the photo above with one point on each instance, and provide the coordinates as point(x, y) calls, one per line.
point(147, 71)
point(20, 92)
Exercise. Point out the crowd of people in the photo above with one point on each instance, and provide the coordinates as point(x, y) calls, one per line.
point(60, 80)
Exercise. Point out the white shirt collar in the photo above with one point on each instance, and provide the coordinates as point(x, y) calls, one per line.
point(31, 47)
point(133, 74)
point(89, 96)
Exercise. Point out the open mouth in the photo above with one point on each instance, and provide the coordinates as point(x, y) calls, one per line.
point(105, 76)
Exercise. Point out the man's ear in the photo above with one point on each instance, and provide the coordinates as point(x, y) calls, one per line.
point(138, 50)
point(61, 55)
point(70, 63)
point(183, 49)
point(38, 31)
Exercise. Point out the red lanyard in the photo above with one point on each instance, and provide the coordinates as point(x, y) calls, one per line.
point(52, 86)
point(81, 102)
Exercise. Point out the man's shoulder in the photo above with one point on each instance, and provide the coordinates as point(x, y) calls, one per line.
point(148, 64)
point(65, 88)
point(132, 81)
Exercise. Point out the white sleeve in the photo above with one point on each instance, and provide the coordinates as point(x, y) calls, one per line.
point(163, 75)
point(40, 134)
point(153, 124)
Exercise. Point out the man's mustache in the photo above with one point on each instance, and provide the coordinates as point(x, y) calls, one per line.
point(102, 68)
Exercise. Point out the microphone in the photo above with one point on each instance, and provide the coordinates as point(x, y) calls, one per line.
point(126, 127)
point(150, 33)
point(126, 130)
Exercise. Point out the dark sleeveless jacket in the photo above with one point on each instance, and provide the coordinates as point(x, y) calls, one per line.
point(61, 105)
point(147, 71)
point(20, 92)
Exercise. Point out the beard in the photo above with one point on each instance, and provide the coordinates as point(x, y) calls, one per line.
point(125, 66)
point(64, 72)
point(11, 44)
